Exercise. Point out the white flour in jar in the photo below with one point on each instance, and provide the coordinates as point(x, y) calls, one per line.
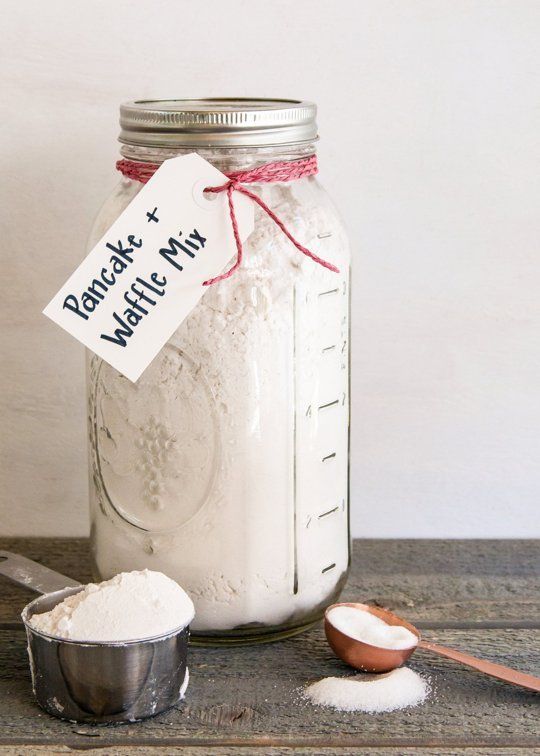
point(130, 606)
point(194, 473)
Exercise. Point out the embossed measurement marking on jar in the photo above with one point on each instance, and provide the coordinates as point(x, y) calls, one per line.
point(326, 514)
point(329, 404)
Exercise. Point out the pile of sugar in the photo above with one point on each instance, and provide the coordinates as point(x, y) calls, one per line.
point(369, 693)
point(130, 606)
point(368, 628)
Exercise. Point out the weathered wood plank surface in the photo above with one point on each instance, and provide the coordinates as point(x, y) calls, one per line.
point(432, 583)
point(174, 750)
point(252, 695)
point(247, 700)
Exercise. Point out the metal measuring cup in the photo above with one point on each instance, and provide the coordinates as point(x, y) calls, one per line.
point(96, 682)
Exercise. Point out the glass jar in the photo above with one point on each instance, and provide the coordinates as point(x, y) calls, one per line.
point(226, 465)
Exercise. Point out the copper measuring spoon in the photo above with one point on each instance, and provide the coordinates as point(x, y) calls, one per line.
point(369, 658)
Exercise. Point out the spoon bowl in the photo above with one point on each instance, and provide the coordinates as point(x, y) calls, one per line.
point(364, 656)
point(368, 658)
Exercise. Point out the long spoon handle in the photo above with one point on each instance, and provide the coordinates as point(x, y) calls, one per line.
point(488, 668)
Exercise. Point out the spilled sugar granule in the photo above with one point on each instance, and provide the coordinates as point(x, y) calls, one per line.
point(370, 693)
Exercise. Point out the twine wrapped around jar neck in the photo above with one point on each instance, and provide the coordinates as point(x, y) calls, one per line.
point(282, 171)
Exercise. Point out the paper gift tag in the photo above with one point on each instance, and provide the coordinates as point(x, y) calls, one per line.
point(143, 278)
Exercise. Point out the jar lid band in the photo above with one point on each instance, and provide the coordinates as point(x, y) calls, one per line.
point(217, 122)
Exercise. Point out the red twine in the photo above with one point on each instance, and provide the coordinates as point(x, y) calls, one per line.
point(264, 174)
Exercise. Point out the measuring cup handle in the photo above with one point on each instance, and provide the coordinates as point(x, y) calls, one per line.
point(32, 574)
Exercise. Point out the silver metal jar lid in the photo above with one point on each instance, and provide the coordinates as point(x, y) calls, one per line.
point(217, 122)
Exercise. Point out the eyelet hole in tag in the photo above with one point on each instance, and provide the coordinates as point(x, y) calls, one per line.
point(205, 200)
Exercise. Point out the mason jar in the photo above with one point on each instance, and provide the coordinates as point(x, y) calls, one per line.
point(225, 465)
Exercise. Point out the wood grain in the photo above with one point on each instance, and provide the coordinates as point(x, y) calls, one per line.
point(217, 750)
point(248, 699)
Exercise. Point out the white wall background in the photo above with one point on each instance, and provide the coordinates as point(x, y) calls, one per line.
point(430, 124)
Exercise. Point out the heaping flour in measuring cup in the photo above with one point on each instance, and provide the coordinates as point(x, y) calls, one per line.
point(131, 606)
